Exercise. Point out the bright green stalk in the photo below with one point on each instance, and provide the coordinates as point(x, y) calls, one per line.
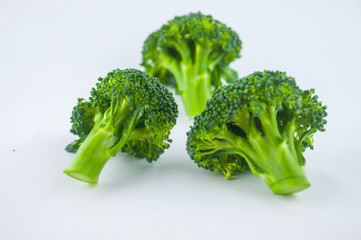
point(196, 94)
point(103, 141)
point(192, 76)
point(273, 156)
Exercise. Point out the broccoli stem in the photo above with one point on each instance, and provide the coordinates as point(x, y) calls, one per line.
point(192, 75)
point(272, 155)
point(281, 169)
point(278, 157)
point(92, 155)
point(278, 165)
point(196, 94)
point(228, 74)
point(104, 141)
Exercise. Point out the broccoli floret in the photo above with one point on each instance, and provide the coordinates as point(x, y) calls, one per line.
point(192, 53)
point(262, 122)
point(82, 122)
point(128, 111)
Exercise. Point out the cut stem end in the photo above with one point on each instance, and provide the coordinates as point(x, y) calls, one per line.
point(81, 176)
point(290, 185)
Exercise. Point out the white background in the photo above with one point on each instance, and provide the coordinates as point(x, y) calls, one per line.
point(52, 52)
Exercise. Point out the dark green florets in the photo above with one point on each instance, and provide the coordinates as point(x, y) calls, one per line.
point(248, 116)
point(82, 120)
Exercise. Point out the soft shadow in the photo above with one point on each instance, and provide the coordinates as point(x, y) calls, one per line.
point(124, 170)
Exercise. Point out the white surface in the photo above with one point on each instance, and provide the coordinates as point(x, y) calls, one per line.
point(52, 52)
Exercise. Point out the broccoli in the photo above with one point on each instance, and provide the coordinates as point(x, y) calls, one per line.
point(192, 53)
point(262, 122)
point(128, 111)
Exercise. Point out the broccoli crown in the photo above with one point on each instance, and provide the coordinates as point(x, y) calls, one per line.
point(136, 88)
point(194, 28)
point(192, 53)
point(247, 121)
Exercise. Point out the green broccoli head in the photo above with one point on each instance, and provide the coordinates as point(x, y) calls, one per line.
point(128, 111)
point(192, 53)
point(262, 122)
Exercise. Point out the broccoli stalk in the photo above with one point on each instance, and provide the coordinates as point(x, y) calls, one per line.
point(192, 53)
point(194, 98)
point(194, 82)
point(102, 141)
point(272, 155)
point(120, 117)
point(262, 122)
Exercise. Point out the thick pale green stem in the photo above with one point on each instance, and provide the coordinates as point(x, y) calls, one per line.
point(196, 94)
point(273, 156)
point(103, 141)
point(284, 174)
point(196, 79)
point(91, 156)
point(192, 75)
point(279, 166)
